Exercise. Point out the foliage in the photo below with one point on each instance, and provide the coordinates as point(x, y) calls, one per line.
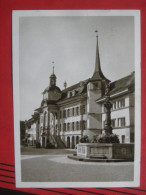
point(84, 139)
point(103, 138)
point(94, 139)
point(38, 145)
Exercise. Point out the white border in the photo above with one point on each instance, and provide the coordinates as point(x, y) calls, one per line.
point(16, 98)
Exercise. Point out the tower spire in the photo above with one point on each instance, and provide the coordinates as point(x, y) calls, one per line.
point(97, 60)
point(97, 75)
point(53, 67)
point(53, 77)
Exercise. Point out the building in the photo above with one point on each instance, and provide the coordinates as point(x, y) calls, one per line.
point(122, 112)
point(64, 116)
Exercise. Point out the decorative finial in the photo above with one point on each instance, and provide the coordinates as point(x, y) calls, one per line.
point(65, 84)
point(96, 31)
point(53, 67)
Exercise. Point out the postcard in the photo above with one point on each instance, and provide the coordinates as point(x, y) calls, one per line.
point(77, 98)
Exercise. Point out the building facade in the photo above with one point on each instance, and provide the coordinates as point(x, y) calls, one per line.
point(122, 112)
point(64, 116)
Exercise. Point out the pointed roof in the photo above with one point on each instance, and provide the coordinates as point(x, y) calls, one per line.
point(98, 75)
point(120, 87)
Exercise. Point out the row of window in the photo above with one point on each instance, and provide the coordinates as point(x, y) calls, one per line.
point(73, 126)
point(73, 112)
point(118, 104)
point(121, 122)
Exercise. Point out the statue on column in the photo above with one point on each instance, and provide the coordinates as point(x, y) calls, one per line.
point(108, 105)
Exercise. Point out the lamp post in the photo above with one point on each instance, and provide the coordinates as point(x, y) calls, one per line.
point(108, 105)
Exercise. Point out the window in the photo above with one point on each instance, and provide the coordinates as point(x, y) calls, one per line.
point(73, 126)
point(73, 112)
point(119, 104)
point(122, 103)
point(68, 112)
point(113, 122)
point(77, 110)
point(64, 126)
point(123, 139)
point(121, 122)
point(68, 126)
point(77, 125)
point(70, 94)
point(60, 127)
point(114, 106)
point(64, 113)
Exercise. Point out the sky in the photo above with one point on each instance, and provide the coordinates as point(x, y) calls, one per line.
point(70, 41)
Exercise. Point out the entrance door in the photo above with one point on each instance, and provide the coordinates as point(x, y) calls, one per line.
point(123, 139)
point(73, 142)
point(77, 139)
point(68, 142)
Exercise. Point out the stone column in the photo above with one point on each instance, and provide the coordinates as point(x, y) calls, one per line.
point(58, 123)
point(108, 106)
point(54, 125)
point(47, 131)
point(48, 124)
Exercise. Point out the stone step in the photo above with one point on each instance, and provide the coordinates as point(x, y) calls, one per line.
point(97, 160)
point(98, 156)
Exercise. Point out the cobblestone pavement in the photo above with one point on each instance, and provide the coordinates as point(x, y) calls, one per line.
point(54, 166)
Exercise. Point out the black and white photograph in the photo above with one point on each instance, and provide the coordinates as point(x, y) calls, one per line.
point(76, 94)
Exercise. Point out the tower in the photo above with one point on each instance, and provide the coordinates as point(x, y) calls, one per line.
point(98, 75)
point(53, 78)
point(95, 89)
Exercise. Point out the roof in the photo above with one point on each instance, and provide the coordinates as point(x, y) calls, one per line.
point(51, 88)
point(125, 84)
point(78, 89)
point(98, 74)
